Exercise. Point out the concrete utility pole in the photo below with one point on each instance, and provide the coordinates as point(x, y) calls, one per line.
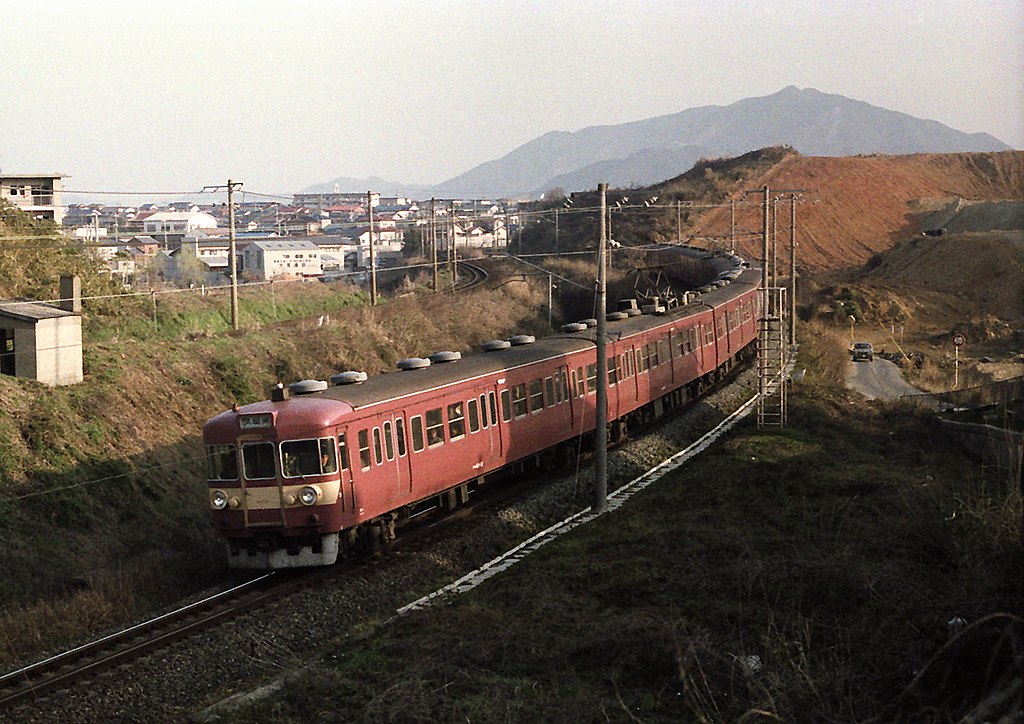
point(679, 221)
point(600, 503)
point(556, 234)
point(233, 262)
point(764, 243)
point(792, 269)
point(373, 261)
point(433, 241)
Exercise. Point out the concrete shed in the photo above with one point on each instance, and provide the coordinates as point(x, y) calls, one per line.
point(40, 342)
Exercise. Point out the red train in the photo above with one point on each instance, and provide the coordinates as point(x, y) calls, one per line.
point(318, 468)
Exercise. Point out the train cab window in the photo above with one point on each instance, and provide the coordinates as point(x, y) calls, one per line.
point(364, 448)
point(400, 436)
point(223, 462)
point(378, 453)
point(435, 427)
point(519, 400)
point(492, 403)
point(343, 451)
point(416, 425)
point(258, 461)
point(592, 378)
point(612, 376)
point(536, 395)
point(549, 391)
point(456, 421)
point(506, 406)
point(474, 416)
point(308, 457)
point(389, 443)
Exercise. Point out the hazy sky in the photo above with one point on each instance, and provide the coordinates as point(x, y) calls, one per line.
point(169, 96)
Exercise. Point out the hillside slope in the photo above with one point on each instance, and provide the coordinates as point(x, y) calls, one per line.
point(852, 208)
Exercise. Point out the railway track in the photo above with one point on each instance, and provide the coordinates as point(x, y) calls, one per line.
point(65, 669)
point(470, 275)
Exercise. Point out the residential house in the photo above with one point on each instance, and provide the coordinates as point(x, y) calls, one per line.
point(177, 222)
point(281, 259)
point(38, 194)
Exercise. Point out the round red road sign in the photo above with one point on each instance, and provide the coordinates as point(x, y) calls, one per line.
point(958, 339)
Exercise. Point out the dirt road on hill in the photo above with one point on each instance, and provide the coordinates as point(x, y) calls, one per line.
point(878, 379)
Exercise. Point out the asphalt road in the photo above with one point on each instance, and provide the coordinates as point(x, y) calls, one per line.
point(879, 379)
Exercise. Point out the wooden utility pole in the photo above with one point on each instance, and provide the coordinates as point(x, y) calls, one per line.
point(232, 253)
point(453, 260)
point(732, 225)
point(600, 503)
point(433, 241)
point(373, 261)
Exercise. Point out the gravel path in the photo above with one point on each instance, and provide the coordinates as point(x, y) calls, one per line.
point(243, 654)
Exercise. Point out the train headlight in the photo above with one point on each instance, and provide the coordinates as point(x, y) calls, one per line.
point(309, 495)
point(219, 500)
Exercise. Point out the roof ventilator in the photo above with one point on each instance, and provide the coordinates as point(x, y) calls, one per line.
point(445, 356)
point(307, 387)
point(349, 377)
point(518, 340)
point(413, 363)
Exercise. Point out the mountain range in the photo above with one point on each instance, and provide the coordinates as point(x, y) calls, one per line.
point(651, 150)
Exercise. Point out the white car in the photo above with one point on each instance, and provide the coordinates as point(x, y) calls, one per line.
point(862, 351)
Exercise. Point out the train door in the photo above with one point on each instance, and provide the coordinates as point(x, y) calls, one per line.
point(347, 492)
point(261, 483)
point(483, 421)
point(394, 453)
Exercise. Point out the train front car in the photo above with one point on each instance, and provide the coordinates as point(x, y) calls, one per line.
point(276, 471)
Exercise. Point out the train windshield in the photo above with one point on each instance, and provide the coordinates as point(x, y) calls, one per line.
point(223, 463)
point(258, 461)
point(309, 457)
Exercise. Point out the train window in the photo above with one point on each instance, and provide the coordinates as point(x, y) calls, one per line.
point(308, 457)
point(258, 461)
point(612, 377)
point(563, 377)
point(643, 362)
point(400, 436)
point(456, 421)
point(378, 453)
point(328, 456)
point(691, 335)
point(536, 395)
point(435, 427)
point(549, 391)
point(709, 334)
point(416, 424)
point(519, 400)
point(574, 389)
point(364, 449)
point(506, 406)
point(343, 451)
point(389, 444)
point(483, 410)
point(474, 416)
point(680, 345)
point(630, 366)
point(223, 462)
point(494, 408)
point(662, 347)
point(592, 378)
